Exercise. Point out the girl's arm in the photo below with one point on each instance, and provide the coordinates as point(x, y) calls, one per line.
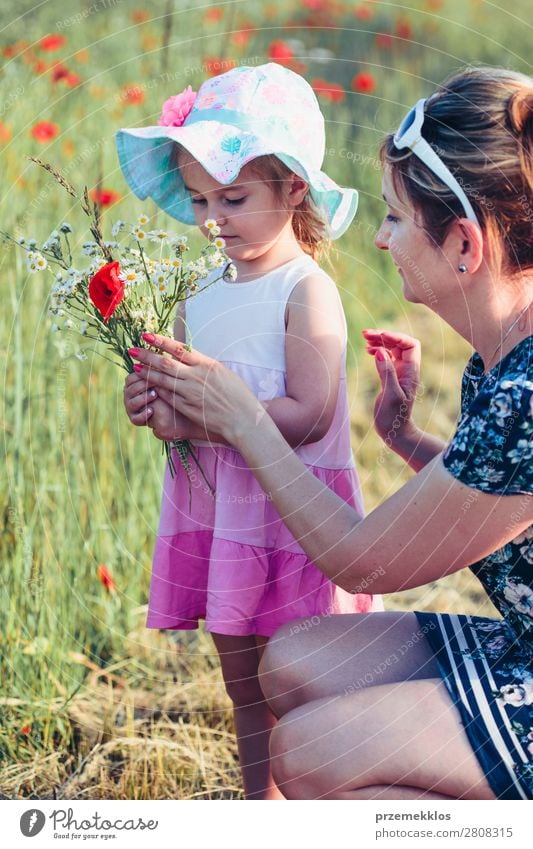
point(433, 526)
point(397, 359)
point(314, 346)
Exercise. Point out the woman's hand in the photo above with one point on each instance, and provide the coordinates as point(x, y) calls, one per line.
point(397, 358)
point(199, 388)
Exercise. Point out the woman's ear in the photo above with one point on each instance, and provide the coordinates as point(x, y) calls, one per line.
point(464, 244)
point(298, 189)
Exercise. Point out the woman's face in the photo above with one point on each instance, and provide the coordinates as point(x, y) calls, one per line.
point(249, 214)
point(419, 263)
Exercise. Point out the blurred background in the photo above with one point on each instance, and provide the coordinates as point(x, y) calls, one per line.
point(92, 704)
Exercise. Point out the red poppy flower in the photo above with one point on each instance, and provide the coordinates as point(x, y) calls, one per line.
point(44, 131)
point(384, 40)
point(25, 730)
point(52, 42)
point(106, 291)
point(105, 577)
point(14, 49)
point(215, 66)
point(214, 15)
point(5, 132)
point(280, 52)
point(132, 94)
point(40, 66)
point(73, 80)
point(404, 30)
point(104, 197)
point(139, 16)
point(59, 72)
point(363, 13)
point(364, 82)
point(329, 91)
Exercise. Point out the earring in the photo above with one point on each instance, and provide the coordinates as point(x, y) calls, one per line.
point(462, 268)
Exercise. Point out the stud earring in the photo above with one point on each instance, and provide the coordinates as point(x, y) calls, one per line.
point(462, 268)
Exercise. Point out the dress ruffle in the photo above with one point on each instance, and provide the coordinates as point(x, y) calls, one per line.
point(231, 560)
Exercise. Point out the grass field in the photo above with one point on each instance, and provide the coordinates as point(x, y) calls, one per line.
point(93, 705)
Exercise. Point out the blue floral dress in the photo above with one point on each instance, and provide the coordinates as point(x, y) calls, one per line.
point(487, 664)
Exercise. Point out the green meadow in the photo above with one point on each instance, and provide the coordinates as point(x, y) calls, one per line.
point(92, 704)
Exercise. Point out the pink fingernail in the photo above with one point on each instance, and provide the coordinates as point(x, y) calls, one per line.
point(148, 337)
point(380, 355)
point(134, 352)
point(137, 367)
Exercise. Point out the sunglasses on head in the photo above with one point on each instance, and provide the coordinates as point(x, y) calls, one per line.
point(409, 135)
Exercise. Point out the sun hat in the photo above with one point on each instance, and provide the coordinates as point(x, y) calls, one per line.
point(234, 118)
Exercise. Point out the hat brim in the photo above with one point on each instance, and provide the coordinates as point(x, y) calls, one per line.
point(144, 154)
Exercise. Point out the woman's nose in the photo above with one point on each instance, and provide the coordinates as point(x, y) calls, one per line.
point(382, 237)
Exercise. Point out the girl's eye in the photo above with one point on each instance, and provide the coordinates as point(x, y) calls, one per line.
point(197, 200)
point(391, 218)
point(235, 201)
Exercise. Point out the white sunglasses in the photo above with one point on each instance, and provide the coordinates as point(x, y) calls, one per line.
point(409, 135)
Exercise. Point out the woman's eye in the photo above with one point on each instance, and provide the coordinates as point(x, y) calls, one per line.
point(235, 201)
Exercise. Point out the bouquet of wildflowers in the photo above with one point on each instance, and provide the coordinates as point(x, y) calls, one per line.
point(123, 293)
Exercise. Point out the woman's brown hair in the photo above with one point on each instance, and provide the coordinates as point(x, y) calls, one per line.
point(480, 123)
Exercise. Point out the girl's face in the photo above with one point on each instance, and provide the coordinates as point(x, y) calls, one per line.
point(421, 266)
point(251, 218)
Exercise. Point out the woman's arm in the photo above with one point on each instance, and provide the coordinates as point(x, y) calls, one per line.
point(431, 527)
point(314, 346)
point(397, 358)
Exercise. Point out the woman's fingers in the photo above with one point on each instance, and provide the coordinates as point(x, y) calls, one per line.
point(402, 345)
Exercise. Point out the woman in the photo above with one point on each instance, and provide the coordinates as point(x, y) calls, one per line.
point(411, 705)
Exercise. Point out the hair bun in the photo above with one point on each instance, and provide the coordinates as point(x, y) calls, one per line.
point(520, 111)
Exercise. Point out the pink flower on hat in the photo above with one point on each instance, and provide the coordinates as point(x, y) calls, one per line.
point(177, 108)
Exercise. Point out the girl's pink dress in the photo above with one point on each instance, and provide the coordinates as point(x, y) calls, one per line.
point(231, 560)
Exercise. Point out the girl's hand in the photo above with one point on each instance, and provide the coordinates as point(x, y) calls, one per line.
point(199, 388)
point(138, 399)
point(397, 358)
point(168, 424)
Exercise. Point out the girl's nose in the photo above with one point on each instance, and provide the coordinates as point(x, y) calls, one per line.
point(382, 237)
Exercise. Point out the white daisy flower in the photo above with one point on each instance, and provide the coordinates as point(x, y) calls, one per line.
point(139, 233)
point(220, 243)
point(143, 219)
point(179, 242)
point(158, 235)
point(216, 260)
point(130, 276)
point(83, 327)
point(69, 324)
point(215, 231)
point(160, 278)
point(36, 262)
point(230, 272)
point(176, 263)
point(210, 223)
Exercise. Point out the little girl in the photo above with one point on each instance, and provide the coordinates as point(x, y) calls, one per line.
point(246, 152)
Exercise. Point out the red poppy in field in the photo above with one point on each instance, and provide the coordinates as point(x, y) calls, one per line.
point(5, 132)
point(384, 40)
point(73, 80)
point(59, 72)
point(40, 66)
point(103, 572)
point(329, 91)
point(215, 66)
point(104, 197)
point(213, 15)
point(25, 730)
point(364, 82)
point(243, 35)
point(52, 42)
point(132, 94)
point(363, 13)
point(279, 51)
point(44, 131)
point(14, 49)
point(106, 291)
point(139, 16)
point(404, 30)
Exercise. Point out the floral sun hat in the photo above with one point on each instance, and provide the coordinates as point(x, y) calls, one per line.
point(234, 118)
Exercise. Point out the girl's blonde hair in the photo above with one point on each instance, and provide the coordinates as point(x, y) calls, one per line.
point(480, 123)
point(307, 224)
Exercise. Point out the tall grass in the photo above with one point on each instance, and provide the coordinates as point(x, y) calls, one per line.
point(92, 704)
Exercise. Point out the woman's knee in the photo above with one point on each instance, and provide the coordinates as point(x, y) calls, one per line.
point(279, 669)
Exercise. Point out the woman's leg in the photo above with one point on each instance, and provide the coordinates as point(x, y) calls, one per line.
point(390, 741)
point(341, 654)
point(239, 658)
